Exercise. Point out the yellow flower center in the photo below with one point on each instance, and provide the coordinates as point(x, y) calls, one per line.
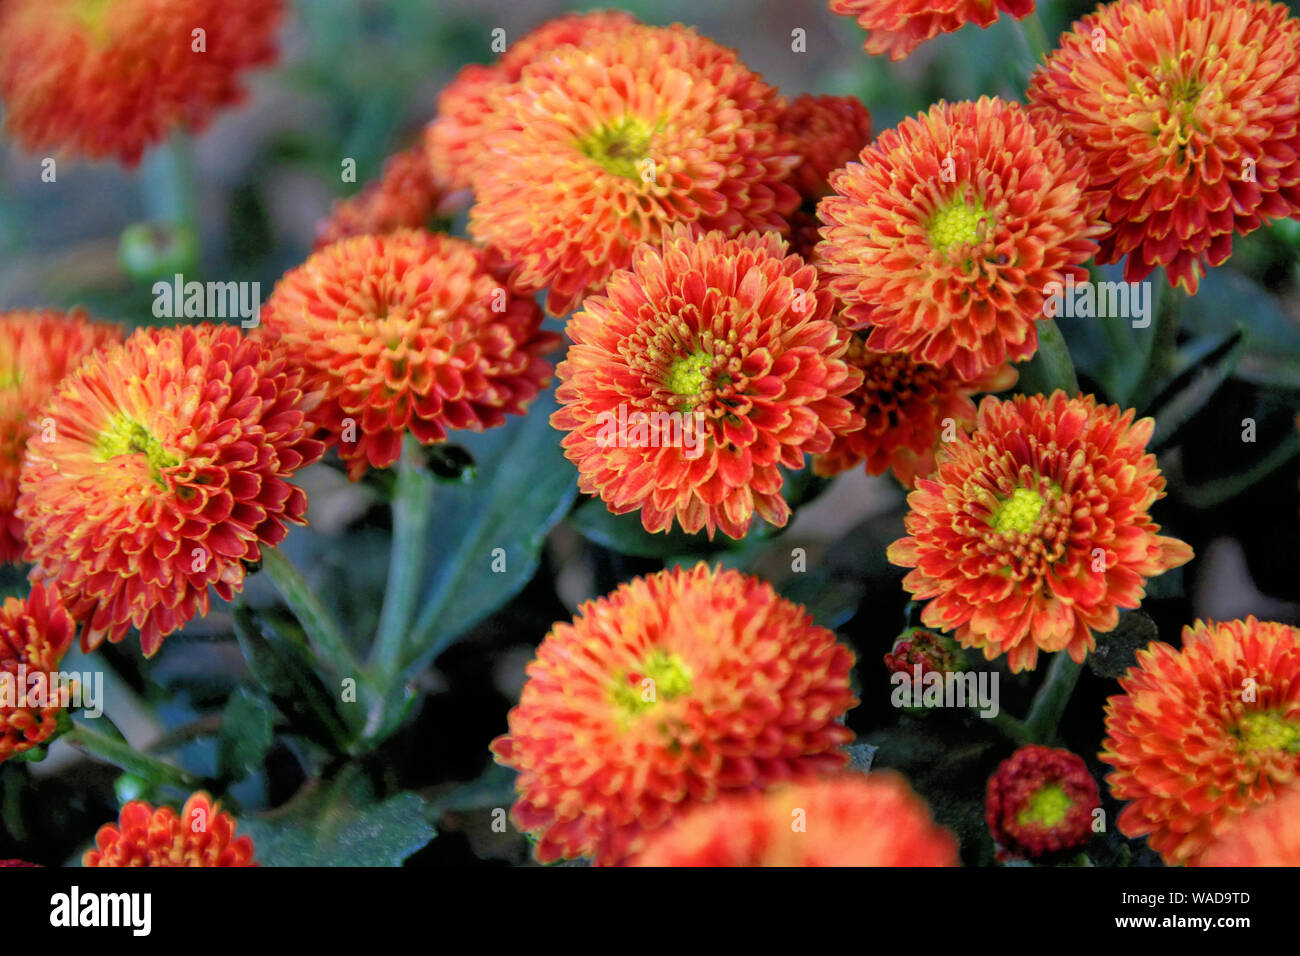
point(125, 436)
point(1264, 730)
point(1019, 512)
point(620, 148)
point(1047, 807)
point(687, 376)
point(94, 16)
point(11, 377)
point(960, 223)
point(662, 676)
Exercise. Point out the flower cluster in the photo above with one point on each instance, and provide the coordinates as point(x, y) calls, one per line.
point(35, 633)
point(202, 835)
point(897, 27)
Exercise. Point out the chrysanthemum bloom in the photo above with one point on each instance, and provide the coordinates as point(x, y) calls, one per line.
point(676, 688)
point(909, 407)
point(35, 633)
point(1265, 835)
point(409, 331)
point(37, 348)
point(112, 79)
point(405, 196)
point(704, 367)
point(454, 140)
point(599, 147)
point(1040, 801)
point(17, 863)
point(202, 835)
point(926, 649)
point(846, 820)
point(828, 132)
point(164, 469)
point(1188, 113)
point(1203, 734)
point(1034, 531)
point(897, 27)
point(947, 235)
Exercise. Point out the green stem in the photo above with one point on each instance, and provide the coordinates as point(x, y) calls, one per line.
point(171, 191)
point(127, 758)
point(1035, 38)
point(326, 640)
point(1014, 730)
point(1052, 698)
point(412, 514)
point(1162, 342)
point(1051, 366)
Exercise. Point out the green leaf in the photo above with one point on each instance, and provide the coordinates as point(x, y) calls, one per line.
point(247, 729)
point(340, 823)
point(626, 535)
point(861, 756)
point(486, 537)
point(1208, 366)
point(1226, 298)
point(274, 648)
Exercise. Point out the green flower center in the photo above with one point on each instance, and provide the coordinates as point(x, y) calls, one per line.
point(11, 377)
point(1047, 807)
point(1019, 512)
point(125, 436)
point(688, 376)
point(619, 148)
point(959, 223)
point(663, 676)
point(1264, 730)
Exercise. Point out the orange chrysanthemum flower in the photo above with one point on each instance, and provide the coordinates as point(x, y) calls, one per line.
point(949, 232)
point(454, 140)
point(1203, 734)
point(828, 132)
point(704, 367)
point(112, 79)
point(1040, 803)
point(597, 148)
point(907, 406)
point(846, 820)
point(165, 472)
point(674, 689)
point(36, 350)
point(405, 196)
point(1034, 531)
point(34, 635)
point(1188, 114)
point(897, 27)
point(408, 331)
point(201, 836)
point(1265, 835)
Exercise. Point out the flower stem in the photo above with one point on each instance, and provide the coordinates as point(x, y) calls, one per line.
point(1013, 729)
point(323, 634)
point(127, 758)
point(1035, 38)
point(412, 512)
point(1051, 366)
point(1052, 698)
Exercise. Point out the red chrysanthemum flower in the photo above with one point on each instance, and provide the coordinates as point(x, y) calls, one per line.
point(845, 820)
point(1188, 114)
point(948, 233)
point(37, 348)
point(1040, 801)
point(164, 472)
point(34, 635)
point(677, 687)
point(918, 647)
point(454, 140)
point(112, 79)
point(1265, 835)
point(1203, 734)
point(405, 196)
point(17, 863)
point(202, 835)
point(597, 148)
point(702, 369)
point(908, 407)
point(897, 27)
point(408, 332)
point(828, 132)
point(1034, 531)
